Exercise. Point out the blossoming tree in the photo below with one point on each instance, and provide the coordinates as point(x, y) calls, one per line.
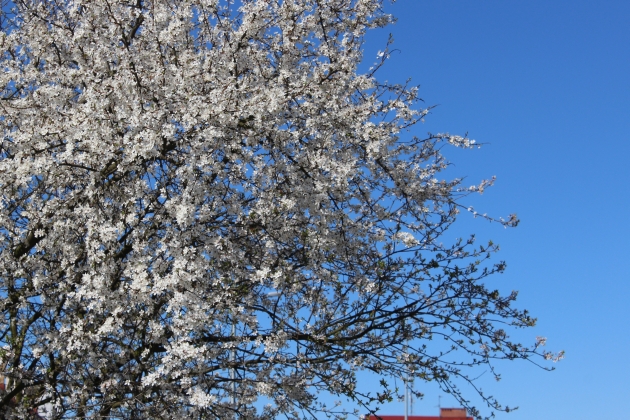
point(209, 212)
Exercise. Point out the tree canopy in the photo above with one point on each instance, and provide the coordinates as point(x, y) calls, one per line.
point(208, 211)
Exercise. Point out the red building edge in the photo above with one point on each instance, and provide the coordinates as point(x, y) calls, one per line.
point(33, 411)
point(445, 413)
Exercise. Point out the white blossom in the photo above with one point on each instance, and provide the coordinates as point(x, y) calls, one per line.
point(203, 202)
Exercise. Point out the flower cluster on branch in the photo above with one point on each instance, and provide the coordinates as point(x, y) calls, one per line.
point(205, 205)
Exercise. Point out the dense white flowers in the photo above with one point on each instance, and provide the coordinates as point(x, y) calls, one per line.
point(406, 238)
point(201, 399)
point(203, 201)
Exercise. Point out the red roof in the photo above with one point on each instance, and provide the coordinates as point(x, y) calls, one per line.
point(445, 413)
point(385, 417)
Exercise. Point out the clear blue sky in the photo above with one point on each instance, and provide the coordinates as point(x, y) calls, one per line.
point(547, 85)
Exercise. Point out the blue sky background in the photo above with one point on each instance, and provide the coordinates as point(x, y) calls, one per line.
point(546, 84)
